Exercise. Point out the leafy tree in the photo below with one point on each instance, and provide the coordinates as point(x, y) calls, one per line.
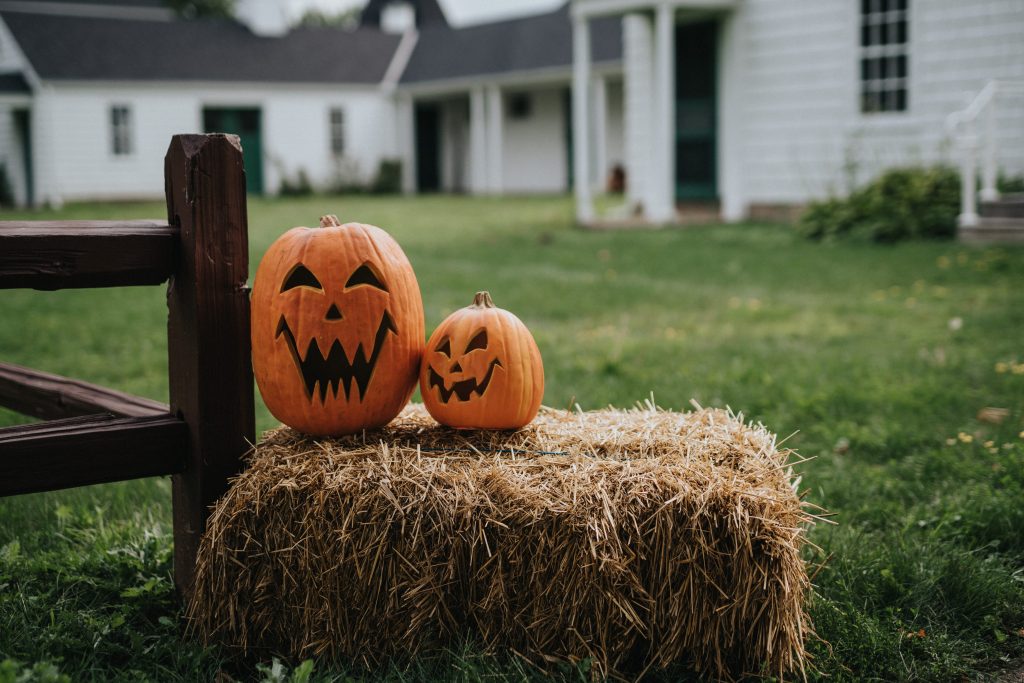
point(191, 9)
point(346, 19)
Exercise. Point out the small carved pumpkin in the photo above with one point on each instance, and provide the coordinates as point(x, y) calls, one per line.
point(482, 369)
point(337, 328)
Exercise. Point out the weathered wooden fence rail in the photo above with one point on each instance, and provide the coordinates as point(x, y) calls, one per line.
point(95, 434)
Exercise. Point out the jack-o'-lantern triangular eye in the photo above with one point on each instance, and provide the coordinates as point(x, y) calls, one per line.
point(301, 276)
point(364, 275)
point(445, 347)
point(479, 341)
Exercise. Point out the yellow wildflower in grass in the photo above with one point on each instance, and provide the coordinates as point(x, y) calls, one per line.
point(967, 438)
point(989, 444)
point(950, 441)
point(1017, 368)
point(1002, 367)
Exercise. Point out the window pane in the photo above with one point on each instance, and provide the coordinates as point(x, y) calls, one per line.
point(337, 131)
point(901, 32)
point(869, 102)
point(901, 100)
point(900, 70)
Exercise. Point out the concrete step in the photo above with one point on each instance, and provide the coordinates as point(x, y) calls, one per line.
point(1007, 206)
point(994, 231)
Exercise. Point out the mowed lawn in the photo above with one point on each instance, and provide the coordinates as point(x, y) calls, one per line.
point(874, 361)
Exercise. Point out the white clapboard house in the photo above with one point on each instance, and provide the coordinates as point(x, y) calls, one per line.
point(746, 106)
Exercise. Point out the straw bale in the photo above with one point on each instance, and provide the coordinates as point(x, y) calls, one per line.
point(639, 539)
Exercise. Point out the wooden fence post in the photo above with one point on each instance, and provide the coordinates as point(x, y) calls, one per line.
point(211, 385)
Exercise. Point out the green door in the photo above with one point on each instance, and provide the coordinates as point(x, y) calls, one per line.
point(245, 123)
point(696, 138)
point(23, 132)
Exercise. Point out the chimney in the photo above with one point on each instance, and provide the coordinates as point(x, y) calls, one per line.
point(267, 18)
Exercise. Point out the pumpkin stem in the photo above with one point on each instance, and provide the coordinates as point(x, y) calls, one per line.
point(482, 300)
point(329, 221)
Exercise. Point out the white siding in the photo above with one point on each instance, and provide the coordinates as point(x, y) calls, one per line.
point(534, 148)
point(76, 160)
point(800, 65)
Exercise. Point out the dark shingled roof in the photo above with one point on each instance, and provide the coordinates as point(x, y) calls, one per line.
point(14, 83)
point(87, 48)
point(535, 42)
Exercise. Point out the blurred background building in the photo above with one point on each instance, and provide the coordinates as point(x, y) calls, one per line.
point(749, 107)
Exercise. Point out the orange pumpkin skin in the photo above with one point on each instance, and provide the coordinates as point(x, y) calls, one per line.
point(482, 369)
point(337, 328)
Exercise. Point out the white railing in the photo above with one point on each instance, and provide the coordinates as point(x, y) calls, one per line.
point(963, 125)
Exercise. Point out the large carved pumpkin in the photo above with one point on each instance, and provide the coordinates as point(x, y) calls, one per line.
point(337, 328)
point(482, 369)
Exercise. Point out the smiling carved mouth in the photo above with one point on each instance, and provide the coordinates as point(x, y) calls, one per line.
point(335, 369)
point(463, 389)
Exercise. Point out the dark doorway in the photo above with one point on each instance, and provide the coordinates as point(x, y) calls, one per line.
point(23, 134)
point(428, 147)
point(245, 123)
point(696, 111)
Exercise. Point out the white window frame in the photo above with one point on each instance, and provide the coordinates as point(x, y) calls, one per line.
point(122, 135)
point(336, 131)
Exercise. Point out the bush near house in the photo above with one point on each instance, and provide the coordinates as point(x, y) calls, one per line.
point(902, 203)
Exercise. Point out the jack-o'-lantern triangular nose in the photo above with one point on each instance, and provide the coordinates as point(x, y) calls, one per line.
point(456, 367)
point(333, 313)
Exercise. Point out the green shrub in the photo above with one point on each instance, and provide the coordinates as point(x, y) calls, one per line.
point(902, 203)
point(1010, 184)
point(300, 186)
point(389, 177)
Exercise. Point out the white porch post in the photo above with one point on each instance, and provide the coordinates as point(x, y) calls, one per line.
point(477, 141)
point(968, 217)
point(663, 208)
point(730, 117)
point(495, 158)
point(405, 138)
point(989, 193)
point(600, 168)
point(580, 129)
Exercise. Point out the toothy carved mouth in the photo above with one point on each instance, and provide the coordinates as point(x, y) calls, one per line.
point(335, 368)
point(463, 389)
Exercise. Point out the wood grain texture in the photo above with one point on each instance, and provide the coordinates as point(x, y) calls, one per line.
point(71, 254)
point(89, 450)
point(211, 385)
point(48, 397)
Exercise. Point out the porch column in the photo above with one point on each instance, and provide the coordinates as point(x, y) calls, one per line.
point(580, 107)
point(495, 158)
point(664, 138)
point(477, 141)
point(600, 169)
point(406, 139)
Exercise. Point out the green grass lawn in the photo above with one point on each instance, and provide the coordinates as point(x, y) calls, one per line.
point(875, 359)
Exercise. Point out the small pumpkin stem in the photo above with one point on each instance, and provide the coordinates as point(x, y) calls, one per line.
point(329, 221)
point(482, 300)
